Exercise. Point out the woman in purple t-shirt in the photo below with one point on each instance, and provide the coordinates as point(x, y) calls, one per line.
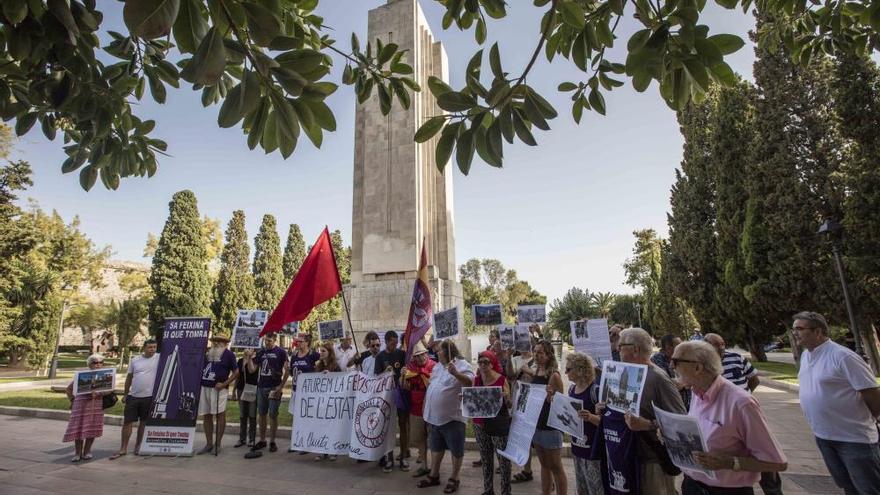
point(580, 369)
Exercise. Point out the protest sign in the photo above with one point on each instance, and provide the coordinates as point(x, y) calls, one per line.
point(531, 313)
point(329, 330)
point(487, 314)
point(682, 436)
point(248, 323)
point(88, 381)
point(290, 329)
point(564, 415)
point(591, 338)
point(522, 341)
point(505, 334)
point(622, 385)
point(171, 424)
point(446, 324)
point(481, 402)
point(345, 413)
point(528, 403)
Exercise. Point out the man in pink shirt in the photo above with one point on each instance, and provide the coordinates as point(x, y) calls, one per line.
point(740, 443)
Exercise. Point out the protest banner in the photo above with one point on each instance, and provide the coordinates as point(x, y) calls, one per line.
point(531, 313)
point(446, 324)
point(528, 403)
point(248, 323)
point(564, 415)
point(682, 437)
point(622, 385)
point(522, 340)
point(591, 337)
point(171, 425)
point(88, 381)
point(487, 314)
point(344, 413)
point(330, 330)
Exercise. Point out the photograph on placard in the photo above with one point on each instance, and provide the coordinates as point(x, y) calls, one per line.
point(487, 314)
point(531, 313)
point(290, 329)
point(99, 380)
point(682, 437)
point(248, 324)
point(522, 340)
point(506, 336)
point(578, 330)
point(622, 385)
point(564, 415)
point(481, 402)
point(332, 329)
point(446, 324)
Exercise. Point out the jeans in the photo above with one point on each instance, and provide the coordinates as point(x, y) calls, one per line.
point(248, 421)
point(855, 467)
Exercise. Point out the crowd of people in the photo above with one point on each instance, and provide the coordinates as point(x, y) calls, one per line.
point(700, 377)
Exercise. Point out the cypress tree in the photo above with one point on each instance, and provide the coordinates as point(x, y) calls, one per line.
point(235, 283)
point(294, 253)
point(268, 274)
point(179, 277)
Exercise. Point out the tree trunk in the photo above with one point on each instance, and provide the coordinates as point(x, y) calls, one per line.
point(869, 342)
point(755, 348)
point(795, 349)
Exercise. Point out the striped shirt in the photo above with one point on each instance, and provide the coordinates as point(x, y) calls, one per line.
point(737, 369)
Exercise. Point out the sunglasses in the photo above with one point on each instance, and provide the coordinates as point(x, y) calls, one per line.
point(484, 361)
point(675, 361)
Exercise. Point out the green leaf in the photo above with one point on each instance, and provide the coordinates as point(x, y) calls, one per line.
point(240, 101)
point(255, 132)
point(24, 123)
point(726, 43)
point(577, 110)
point(708, 52)
point(438, 86)
point(263, 25)
point(60, 9)
point(543, 105)
point(723, 74)
point(149, 18)
point(464, 151)
point(190, 27)
point(386, 53)
point(698, 73)
point(573, 14)
point(579, 52)
point(15, 10)
point(286, 122)
point(384, 99)
point(87, 177)
point(505, 122)
point(209, 62)
point(307, 122)
point(567, 86)
point(455, 102)
point(157, 89)
point(534, 114)
point(323, 115)
point(522, 130)
point(728, 4)
point(269, 141)
point(481, 141)
point(597, 101)
point(301, 61)
point(444, 146)
point(495, 61)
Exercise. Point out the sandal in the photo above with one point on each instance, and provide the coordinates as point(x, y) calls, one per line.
point(116, 456)
point(451, 486)
point(522, 477)
point(87, 457)
point(77, 458)
point(429, 481)
point(422, 471)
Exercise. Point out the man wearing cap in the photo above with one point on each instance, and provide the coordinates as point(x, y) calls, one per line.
point(220, 370)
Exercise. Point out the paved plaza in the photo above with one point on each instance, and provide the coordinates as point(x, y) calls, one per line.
point(33, 461)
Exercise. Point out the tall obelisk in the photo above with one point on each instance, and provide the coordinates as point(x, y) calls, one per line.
point(399, 196)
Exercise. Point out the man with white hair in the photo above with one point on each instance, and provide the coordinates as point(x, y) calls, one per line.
point(221, 369)
point(636, 346)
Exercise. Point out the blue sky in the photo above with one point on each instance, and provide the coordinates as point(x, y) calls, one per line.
point(561, 214)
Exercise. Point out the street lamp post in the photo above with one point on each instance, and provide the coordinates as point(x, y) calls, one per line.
point(639, 312)
point(53, 369)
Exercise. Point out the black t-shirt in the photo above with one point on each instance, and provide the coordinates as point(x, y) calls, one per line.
point(245, 376)
point(396, 359)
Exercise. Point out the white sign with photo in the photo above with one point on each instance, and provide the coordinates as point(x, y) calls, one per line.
point(622, 385)
point(487, 314)
point(527, 408)
point(591, 337)
point(248, 324)
point(446, 324)
point(329, 330)
point(506, 335)
point(531, 313)
point(99, 380)
point(564, 415)
point(682, 436)
point(522, 340)
point(481, 402)
point(291, 329)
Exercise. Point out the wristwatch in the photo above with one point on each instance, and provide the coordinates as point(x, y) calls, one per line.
point(736, 465)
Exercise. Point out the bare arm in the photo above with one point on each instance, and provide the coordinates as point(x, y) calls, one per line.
point(753, 382)
point(871, 396)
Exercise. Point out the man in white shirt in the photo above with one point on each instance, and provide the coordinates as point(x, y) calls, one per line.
point(345, 353)
point(138, 395)
point(840, 399)
point(368, 365)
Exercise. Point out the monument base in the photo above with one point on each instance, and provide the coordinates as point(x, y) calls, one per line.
point(382, 303)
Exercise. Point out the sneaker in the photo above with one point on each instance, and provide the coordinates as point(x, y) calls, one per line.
point(404, 465)
point(273, 447)
point(303, 452)
point(331, 458)
point(205, 450)
point(260, 445)
point(321, 457)
point(387, 468)
point(238, 444)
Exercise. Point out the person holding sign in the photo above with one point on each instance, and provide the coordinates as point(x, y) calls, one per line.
point(442, 411)
point(741, 445)
point(581, 371)
point(492, 433)
point(548, 441)
point(86, 422)
point(393, 359)
point(271, 360)
point(246, 394)
point(415, 381)
point(220, 371)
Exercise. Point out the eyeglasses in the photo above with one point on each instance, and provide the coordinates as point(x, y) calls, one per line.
point(801, 329)
point(484, 362)
point(625, 344)
point(675, 361)
point(97, 362)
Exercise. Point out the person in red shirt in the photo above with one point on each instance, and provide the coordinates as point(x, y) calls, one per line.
point(415, 380)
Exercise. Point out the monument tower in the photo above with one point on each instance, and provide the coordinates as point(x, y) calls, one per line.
point(400, 198)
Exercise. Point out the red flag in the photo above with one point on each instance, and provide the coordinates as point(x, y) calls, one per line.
point(316, 282)
point(421, 313)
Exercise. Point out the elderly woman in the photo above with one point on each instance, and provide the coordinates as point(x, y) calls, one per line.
point(492, 433)
point(442, 410)
point(581, 371)
point(741, 445)
point(86, 421)
point(414, 380)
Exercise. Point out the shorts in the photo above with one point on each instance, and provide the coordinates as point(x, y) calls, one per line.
point(212, 401)
point(447, 437)
point(137, 409)
point(418, 431)
point(547, 439)
point(265, 405)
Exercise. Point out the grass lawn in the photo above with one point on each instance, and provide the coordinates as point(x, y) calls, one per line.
point(18, 379)
point(778, 371)
point(71, 360)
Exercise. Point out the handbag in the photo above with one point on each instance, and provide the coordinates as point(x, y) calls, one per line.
point(109, 400)
point(499, 426)
point(248, 393)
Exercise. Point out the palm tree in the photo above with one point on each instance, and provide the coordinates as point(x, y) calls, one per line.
point(603, 302)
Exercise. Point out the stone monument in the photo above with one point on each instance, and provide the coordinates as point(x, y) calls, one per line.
point(400, 198)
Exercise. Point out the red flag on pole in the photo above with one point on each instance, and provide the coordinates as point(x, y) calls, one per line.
point(421, 313)
point(316, 282)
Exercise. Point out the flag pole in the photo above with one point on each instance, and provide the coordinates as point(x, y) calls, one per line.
point(348, 317)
